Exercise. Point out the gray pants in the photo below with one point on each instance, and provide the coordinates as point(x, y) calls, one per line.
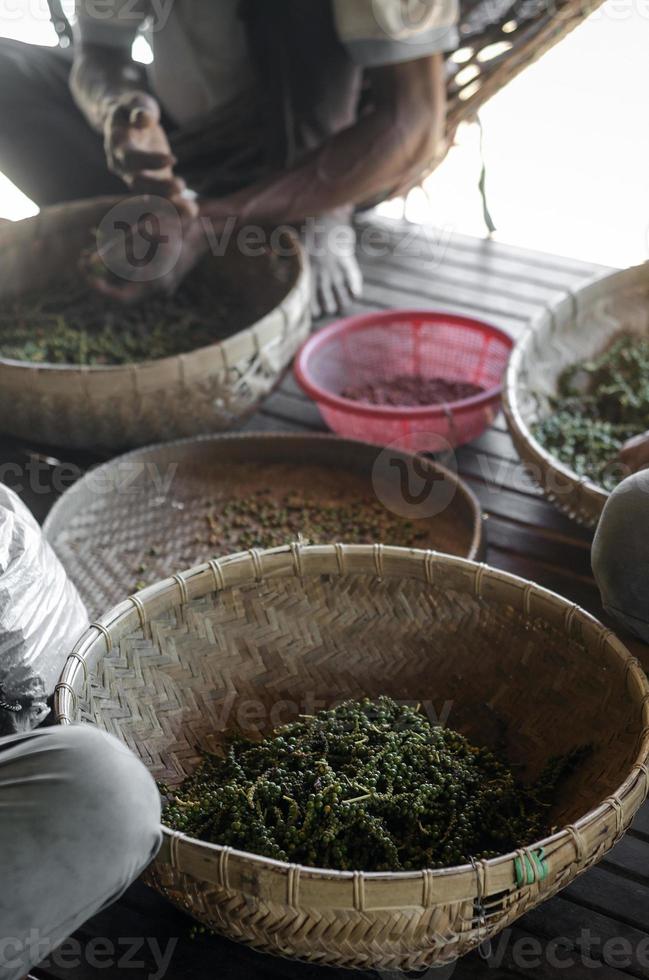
point(79, 820)
point(621, 554)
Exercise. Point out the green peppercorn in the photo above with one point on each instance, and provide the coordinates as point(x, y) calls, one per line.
point(600, 404)
point(70, 323)
point(416, 796)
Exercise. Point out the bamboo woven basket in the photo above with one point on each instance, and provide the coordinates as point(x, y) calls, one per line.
point(113, 407)
point(578, 326)
point(107, 522)
point(498, 40)
point(171, 669)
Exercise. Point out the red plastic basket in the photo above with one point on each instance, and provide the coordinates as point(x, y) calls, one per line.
point(371, 347)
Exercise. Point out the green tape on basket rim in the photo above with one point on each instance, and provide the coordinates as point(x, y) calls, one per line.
point(531, 868)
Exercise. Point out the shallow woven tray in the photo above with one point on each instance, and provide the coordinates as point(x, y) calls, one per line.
point(114, 407)
point(223, 646)
point(578, 326)
point(104, 526)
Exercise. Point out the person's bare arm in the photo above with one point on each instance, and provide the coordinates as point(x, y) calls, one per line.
point(105, 84)
point(383, 151)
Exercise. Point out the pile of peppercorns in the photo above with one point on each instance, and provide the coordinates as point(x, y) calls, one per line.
point(600, 404)
point(411, 390)
point(72, 324)
point(267, 520)
point(368, 785)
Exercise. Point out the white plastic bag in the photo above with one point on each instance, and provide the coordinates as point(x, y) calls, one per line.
point(41, 617)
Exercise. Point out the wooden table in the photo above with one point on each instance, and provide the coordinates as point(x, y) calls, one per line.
point(598, 926)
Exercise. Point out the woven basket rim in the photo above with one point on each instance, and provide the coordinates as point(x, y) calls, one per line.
point(248, 567)
point(591, 496)
point(249, 332)
point(461, 486)
point(515, 420)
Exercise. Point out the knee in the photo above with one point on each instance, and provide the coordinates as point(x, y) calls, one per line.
point(621, 552)
point(114, 796)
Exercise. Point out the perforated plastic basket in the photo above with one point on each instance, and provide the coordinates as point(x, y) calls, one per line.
point(376, 346)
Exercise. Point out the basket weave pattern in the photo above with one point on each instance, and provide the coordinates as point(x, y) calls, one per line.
point(523, 33)
point(579, 326)
point(223, 646)
point(206, 390)
point(117, 511)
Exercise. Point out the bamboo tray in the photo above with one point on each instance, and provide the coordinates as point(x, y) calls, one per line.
point(123, 406)
point(222, 647)
point(103, 528)
point(580, 325)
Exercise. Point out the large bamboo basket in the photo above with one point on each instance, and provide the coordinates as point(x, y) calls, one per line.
point(227, 644)
point(106, 523)
point(578, 326)
point(204, 390)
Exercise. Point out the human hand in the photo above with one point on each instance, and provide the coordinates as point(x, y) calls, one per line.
point(138, 150)
point(145, 244)
point(634, 454)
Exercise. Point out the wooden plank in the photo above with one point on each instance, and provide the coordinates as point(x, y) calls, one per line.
point(375, 297)
point(445, 274)
point(528, 955)
point(291, 388)
point(605, 892)
point(641, 821)
point(268, 423)
point(303, 413)
point(552, 553)
point(381, 297)
point(435, 291)
point(498, 443)
point(631, 858)
point(550, 577)
point(436, 249)
point(597, 935)
point(494, 482)
point(521, 508)
point(484, 248)
point(496, 473)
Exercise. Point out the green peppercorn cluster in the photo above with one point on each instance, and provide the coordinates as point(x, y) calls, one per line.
point(368, 785)
point(72, 324)
point(268, 520)
point(601, 403)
